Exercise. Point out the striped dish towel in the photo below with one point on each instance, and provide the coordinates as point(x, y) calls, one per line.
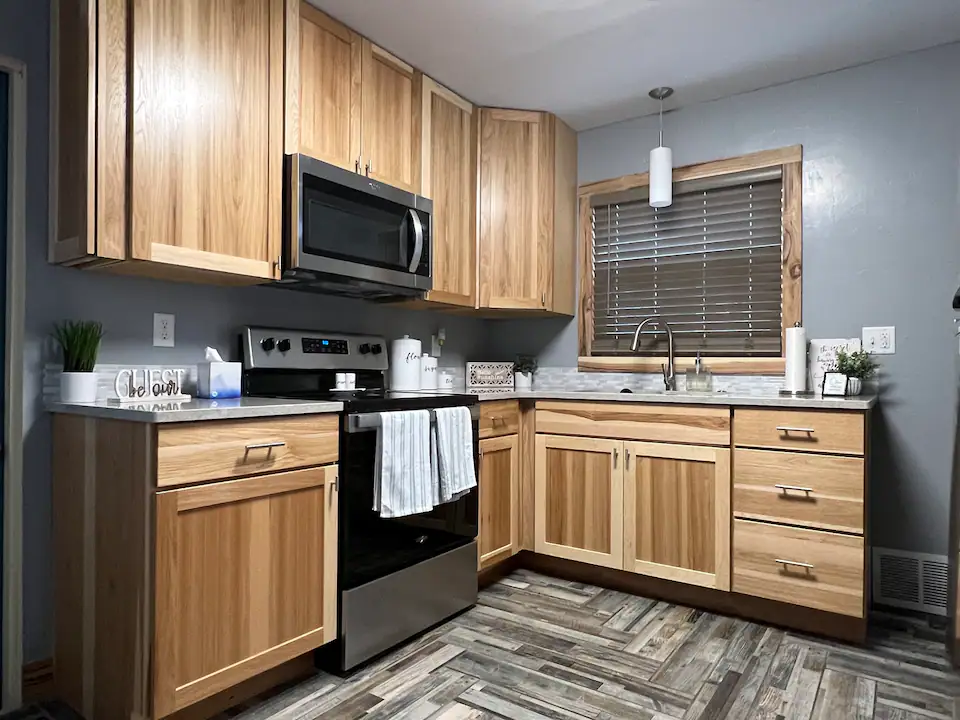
point(403, 480)
point(454, 469)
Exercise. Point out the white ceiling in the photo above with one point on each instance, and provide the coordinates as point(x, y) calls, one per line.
point(593, 61)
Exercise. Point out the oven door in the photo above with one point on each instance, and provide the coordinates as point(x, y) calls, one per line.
point(372, 547)
point(342, 224)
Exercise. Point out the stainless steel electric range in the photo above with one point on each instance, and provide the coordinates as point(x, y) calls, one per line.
point(396, 577)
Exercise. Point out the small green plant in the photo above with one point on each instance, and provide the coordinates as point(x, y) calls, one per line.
point(525, 364)
point(858, 364)
point(80, 342)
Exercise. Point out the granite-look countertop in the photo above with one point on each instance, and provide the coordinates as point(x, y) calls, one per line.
point(195, 409)
point(734, 399)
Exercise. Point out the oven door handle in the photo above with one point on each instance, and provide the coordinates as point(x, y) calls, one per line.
point(418, 240)
point(362, 422)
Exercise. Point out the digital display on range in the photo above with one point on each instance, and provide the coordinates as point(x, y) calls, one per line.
point(316, 346)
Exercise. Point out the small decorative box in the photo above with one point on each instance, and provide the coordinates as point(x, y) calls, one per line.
point(490, 375)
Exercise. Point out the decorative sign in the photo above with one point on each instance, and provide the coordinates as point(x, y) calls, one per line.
point(146, 385)
point(834, 383)
point(823, 357)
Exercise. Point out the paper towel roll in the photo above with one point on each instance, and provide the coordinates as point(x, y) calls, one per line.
point(795, 375)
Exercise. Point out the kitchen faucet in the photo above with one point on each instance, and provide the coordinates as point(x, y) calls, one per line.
point(669, 370)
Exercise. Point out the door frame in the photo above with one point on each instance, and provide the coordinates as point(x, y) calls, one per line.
point(12, 639)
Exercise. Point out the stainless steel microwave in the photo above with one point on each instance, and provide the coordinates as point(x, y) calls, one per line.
point(347, 234)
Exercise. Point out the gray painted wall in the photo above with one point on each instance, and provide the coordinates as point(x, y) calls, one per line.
point(204, 315)
point(881, 246)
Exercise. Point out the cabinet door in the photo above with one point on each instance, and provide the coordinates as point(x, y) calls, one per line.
point(246, 576)
point(515, 262)
point(328, 111)
point(450, 180)
point(578, 497)
point(207, 134)
point(676, 507)
point(499, 496)
point(391, 119)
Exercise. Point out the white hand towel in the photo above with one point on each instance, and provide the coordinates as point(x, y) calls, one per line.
point(455, 471)
point(403, 479)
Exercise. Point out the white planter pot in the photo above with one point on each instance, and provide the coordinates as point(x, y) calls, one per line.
point(523, 381)
point(854, 386)
point(78, 387)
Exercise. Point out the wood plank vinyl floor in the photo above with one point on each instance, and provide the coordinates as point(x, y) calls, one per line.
point(540, 648)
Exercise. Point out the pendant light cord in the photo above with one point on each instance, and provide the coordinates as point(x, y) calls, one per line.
point(661, 122)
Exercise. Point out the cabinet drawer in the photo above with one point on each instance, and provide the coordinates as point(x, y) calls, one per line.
point(499, 417)
point(805, 430)
point(819, 491)
point(219, 449)
point(813, 568)
point(685, 424)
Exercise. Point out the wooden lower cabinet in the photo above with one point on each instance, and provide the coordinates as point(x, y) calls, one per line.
point(676, 510)
point(245, 580)
point(578, 499)
point(499, 500)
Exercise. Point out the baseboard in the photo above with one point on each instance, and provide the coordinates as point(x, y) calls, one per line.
point(747, 607)
point(37, 684)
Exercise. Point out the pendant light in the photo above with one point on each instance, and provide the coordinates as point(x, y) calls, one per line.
point(661, 161)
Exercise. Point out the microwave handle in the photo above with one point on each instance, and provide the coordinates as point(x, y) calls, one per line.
point(418, 243)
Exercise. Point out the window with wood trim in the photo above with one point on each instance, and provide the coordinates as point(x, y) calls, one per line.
point(721, 265)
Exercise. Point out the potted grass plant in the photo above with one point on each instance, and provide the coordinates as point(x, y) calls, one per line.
point(857, 366)
point(80, 342)
point(523, 370)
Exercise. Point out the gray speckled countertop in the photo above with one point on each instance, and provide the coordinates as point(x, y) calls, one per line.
point(858, 402)
point(196, 409)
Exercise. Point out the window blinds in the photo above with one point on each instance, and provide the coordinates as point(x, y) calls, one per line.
point(709, 265)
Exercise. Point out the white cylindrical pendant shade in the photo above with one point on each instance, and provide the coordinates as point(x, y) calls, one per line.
point(661, 177)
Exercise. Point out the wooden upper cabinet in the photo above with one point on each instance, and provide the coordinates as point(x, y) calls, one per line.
point(207, 134)
point(449, 163)
point(578, 495)
point(246, 576)
point(324, 116)
point(527, 211)
point(499, 482)
point(676, 508)
point(171, 157)
point(391, 119)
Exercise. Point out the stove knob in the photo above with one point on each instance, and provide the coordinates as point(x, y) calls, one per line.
point(364, 348)
point(376, 349)
point(268, 344)
point(283, 346)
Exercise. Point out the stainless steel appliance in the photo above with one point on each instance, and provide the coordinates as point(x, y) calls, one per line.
point(396, 577)
point(346, 234)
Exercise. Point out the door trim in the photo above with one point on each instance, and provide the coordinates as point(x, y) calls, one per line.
point(12, 640)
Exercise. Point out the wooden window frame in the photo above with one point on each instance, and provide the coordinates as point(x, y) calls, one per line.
point(790, 159)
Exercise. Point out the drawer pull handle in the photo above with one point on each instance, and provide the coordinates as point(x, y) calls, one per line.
point(797, 488)
point(265, 446)
point(794, 563)
point(497, 420)
point(788, 430)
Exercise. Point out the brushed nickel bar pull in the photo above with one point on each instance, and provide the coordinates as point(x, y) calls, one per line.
point(616, 454)
point(265, 446)
point(785, 488)
point(794, 563)
point(627, 463)
point(786, 429)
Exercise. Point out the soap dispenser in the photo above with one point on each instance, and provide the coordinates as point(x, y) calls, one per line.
point(699, 378)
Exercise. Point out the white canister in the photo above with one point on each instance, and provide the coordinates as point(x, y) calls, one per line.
point(445, 381)
point(428, 372)
point(78, 387)
point(405, 364)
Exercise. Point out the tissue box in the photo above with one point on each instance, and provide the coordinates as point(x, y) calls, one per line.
point(218, 380)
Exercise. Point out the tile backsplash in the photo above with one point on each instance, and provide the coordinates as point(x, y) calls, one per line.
point(571, 379)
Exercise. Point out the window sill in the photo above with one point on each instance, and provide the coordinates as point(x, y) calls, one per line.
point(716, 365)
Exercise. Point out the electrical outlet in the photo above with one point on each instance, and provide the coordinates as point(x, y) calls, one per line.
point(880, 340)
point(163, 330)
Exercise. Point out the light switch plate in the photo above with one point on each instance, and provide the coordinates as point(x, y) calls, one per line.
point(163, 329)
point(880, 340)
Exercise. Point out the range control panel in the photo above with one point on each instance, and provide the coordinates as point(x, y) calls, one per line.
point(283, 349)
